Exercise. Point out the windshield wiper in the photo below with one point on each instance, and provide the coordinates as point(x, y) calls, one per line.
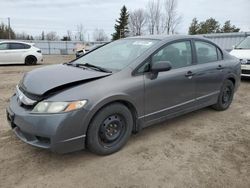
point(93, 67)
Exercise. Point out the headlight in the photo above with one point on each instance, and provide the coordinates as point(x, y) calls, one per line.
point(56, 107)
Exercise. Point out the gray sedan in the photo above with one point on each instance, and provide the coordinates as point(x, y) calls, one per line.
point(97, 101)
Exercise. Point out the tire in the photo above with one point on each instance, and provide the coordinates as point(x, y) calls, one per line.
point(110, 129)
point(225, 97)
point(30, 60)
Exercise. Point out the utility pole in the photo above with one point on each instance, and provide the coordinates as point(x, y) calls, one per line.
point(9, 27)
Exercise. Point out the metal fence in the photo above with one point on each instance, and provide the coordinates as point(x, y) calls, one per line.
point(59, 47)
point(225, 40)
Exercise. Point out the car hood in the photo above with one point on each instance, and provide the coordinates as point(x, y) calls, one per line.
point(241, 53)
point(56, 77)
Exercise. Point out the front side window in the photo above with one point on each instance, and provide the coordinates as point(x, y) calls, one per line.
point(118, 54)
point(206, 52)
point(4, 46)
point(16, 46)
point(179, 54)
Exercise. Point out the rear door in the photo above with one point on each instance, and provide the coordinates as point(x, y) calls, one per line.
point(208, 70)
point(16, 52)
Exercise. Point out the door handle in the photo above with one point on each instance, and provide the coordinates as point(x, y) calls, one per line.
point(220, 67)
point(189, 74)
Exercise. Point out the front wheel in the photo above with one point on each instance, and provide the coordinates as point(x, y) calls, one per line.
point(110, 129)
point(225, 97)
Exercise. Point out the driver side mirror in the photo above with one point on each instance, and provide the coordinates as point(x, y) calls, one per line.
point(160, 66)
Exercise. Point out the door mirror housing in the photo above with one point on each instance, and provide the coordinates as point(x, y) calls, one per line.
point(161, 66)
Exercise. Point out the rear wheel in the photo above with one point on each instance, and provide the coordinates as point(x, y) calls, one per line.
point(225, 97)
point(110, 129)
point(30, 60)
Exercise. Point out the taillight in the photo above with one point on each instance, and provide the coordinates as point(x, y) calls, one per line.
point(39, 51)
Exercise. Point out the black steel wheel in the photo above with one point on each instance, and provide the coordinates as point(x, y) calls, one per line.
point(110, 129)
point(225, 97)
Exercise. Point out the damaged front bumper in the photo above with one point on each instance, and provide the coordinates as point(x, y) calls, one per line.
point(61, 132)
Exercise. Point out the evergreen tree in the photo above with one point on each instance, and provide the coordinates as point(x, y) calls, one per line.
point(121, 26)
point(43, 36)
point(194, 27)
point(4, 32)
point(209, 26)
point(228, 28)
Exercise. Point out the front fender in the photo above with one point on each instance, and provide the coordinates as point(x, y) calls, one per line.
point(105, 101)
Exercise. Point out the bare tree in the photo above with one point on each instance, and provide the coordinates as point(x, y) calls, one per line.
point(52, 36)
point(80, 32)
point(137, 20)
point(100, 35)
point(154, 16)
point(172, 20)
point(69, 34)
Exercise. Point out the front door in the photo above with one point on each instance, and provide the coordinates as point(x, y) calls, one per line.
point(16, 52)
point(174, 90)
point(3, 53)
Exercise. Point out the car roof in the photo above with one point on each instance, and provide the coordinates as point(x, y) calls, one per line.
point(12, 41)
point(167, 37)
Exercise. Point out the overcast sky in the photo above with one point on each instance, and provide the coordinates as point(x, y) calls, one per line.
point(34, 16)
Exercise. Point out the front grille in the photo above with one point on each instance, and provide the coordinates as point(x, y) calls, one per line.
point(30, 95)
point(245, 71)
point(28, 107)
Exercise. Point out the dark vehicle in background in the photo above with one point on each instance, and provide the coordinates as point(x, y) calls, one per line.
point(97, 101)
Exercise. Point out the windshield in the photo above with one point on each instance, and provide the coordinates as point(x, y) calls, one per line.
point(245, 44)
point(118, 54)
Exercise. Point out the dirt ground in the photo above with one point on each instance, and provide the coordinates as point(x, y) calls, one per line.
point(202, 149)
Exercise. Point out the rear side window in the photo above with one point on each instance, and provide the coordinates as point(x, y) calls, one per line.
point(17, 46)
point(3, 46)
point(206, 52)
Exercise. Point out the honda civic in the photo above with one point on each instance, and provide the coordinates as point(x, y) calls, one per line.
point(98, 100)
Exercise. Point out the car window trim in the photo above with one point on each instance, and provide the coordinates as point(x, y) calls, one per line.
point(135, 71)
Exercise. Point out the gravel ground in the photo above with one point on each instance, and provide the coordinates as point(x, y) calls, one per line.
point(202, 149)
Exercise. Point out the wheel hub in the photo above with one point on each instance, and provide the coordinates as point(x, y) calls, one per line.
point(111, 128)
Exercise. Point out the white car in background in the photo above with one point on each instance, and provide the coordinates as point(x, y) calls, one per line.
point(14, 52)
point(242, 52)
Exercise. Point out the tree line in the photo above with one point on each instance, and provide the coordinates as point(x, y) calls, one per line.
point(211, 26)
point(161, 17)
point(157, 17)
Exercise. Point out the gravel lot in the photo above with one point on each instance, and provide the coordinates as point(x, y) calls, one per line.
point(202, 149)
